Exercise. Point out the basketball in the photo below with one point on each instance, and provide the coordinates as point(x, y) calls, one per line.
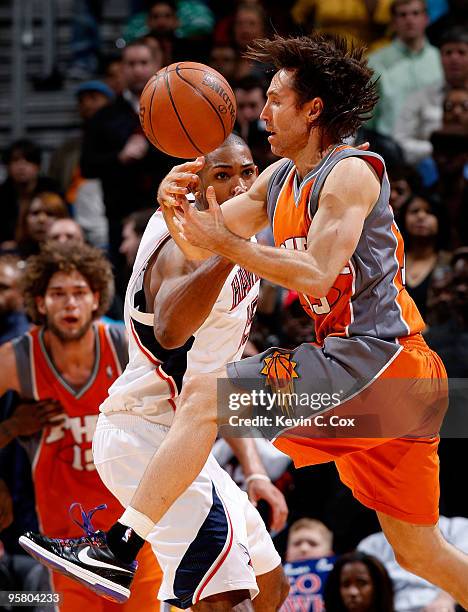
point(187, 109)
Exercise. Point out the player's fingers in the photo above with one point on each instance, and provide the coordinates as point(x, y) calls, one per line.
point(211, 198)
point(190, 166)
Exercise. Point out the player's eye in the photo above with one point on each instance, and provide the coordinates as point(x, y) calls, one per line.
point(248, 172)
point(221, 176)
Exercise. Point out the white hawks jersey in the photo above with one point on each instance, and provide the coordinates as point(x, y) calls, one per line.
point(152, 380)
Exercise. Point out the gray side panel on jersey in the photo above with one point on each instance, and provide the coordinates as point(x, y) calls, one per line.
point(375, 310)
point(275, 184)
point(22, 348)
point(119, 339)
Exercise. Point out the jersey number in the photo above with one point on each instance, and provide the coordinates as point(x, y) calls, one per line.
point(322, 308)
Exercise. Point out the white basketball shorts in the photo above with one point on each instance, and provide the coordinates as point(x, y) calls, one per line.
point(211, 540)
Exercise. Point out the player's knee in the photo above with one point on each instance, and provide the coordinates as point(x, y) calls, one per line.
point(239, 601)
point(413, 556)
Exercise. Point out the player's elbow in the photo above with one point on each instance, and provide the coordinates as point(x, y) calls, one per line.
point(168, 337)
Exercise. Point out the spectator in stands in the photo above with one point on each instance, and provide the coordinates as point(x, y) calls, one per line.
point(64, 165)
point(424, 224)
point(249, 23)
point(457, 15)
point(116, 151)
point(408, 64)
point(358, 582)
point(223, 58)
point(113, 76)
point(35, 220)
point(251, 99)
point(411, 592)
point(65, 230)
point(361, 22)
point(13, 321)
point(403, 181)
point(23, 183)
point(133, 227)
point(439, 296)
point(422, 112)
point(309, 539)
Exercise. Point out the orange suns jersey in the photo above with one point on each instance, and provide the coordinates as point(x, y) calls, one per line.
point(62, 461)
point(368, 297)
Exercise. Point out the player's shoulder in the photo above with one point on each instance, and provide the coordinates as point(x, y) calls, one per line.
point(8, 359)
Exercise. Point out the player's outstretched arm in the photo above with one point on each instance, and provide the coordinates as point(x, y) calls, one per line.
point(347, 197)
point(185, 293)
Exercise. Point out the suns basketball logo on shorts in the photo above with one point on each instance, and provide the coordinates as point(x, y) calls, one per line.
point(280, 370)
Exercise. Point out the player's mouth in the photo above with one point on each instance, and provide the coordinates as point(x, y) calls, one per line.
point(70, 320)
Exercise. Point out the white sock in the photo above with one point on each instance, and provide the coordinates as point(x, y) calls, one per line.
point(140, 523)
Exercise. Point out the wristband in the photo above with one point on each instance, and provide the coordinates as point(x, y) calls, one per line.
point(249, 479)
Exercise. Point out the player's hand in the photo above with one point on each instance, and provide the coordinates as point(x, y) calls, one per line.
point(31, 417)
point(262, 489)
point(6, 507)
point(203, 228)
point(135, 149)
point(180, 181)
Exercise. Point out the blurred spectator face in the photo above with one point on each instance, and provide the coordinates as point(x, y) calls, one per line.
point(89, 102)
point(307, 543)
point(68, 305)
point(138, 65)
point(454, 56)
point(456, 108)
point(450, 151)
point(410, 21)
point(162, 19)
point(10, 295)
point(230, 170)
point(42, 213)
point(130, 242)
point(356, 587)
point(399, 193)
point(21, 170)
point(223, 59)
point(64, 230)
point(249, 104)
point(248, 25)
point(114, 76)
point(460, 285)
point(419, 220)
point(440, 295)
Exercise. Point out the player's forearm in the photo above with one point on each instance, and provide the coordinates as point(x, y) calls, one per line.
point(285, 267)
point(183, 308)
point(246, 452)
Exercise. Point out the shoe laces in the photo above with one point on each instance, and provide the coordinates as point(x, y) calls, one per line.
point(86, 525)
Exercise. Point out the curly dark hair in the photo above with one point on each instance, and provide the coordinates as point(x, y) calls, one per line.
point(382, 583)
point(67, 257)
point(326, 68)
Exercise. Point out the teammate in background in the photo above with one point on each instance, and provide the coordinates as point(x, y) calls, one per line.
point(70, 360)
point(185, 318)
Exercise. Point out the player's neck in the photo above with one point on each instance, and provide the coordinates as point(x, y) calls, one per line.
point(310, 156)
point(70, 355)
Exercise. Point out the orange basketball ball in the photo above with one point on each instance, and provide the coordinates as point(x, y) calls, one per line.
point(187, 109)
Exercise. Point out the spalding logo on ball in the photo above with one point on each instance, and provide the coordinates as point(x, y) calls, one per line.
point(187, 109)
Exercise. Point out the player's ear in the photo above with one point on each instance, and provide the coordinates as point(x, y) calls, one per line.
point(96, 297)
point(314, 109)
point(40, 305)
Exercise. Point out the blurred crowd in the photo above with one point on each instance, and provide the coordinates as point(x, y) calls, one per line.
point(99, 188)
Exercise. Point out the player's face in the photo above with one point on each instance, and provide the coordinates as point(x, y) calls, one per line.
point(307, 543)
point(230, 170)
point(356, 588)
point(289, 125)
point(138, 66)
point(68, 305)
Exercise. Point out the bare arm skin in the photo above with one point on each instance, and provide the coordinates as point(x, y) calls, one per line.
point(244, 215)
point(8, 372)
point(185, 293)
point(347, 197)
